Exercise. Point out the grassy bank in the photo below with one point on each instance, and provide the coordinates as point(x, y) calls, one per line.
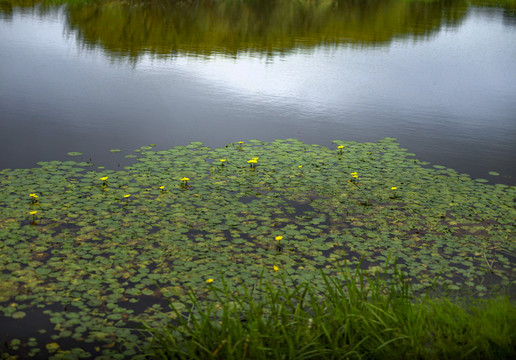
point(353, 316)
point(87, 253)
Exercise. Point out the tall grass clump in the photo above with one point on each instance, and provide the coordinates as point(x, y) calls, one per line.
point(351, 316)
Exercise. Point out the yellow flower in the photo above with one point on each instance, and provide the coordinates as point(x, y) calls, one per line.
point(33, 195)
point(104, 178)
point(393, 188)
point(300, 166)
point(275, 268)
point(240, 142)
point(222, 160)
point(252, 161)
point(161, 187)
point(209, 281)
point(340, 147)
point(354, 174)
point(33, 212)
point(278, 238)
point(126, 196)
point(185, 179)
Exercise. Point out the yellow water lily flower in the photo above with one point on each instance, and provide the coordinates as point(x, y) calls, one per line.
point(34, 198)
point(340, 147)
point(394, 188)
point(222, 160)
point(209, 281)
point(161, 187)
point(275, 268)
point(104, 178)
point(185, 179)
point(278, 238)
point(252, 161)
point(126, 196)
point(33, 212)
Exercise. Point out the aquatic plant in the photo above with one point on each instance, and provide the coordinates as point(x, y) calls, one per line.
point(184, 182)
point(394, 192)
point(92, 267)
point(34, 198)
point(253, 162)
point(33, 213)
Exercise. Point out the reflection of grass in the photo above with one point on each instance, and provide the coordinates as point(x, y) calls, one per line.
point(355, 318)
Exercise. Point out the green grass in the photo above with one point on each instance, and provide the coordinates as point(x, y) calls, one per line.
point(353, 316)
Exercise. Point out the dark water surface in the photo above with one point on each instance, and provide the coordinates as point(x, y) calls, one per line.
point(439, 78)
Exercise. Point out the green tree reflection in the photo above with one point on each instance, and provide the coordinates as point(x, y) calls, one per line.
point(230, 27)
point(264, 26)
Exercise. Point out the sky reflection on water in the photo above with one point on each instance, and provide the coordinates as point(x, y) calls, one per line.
point(451, 98)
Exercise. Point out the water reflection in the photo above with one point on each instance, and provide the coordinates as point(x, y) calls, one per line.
point(130, 28)
point(229, 71)
point(203, 27)
point(265, 26)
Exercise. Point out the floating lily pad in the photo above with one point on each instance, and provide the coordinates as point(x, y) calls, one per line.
point(74, 153)
point(105, 260)
point(18, 315)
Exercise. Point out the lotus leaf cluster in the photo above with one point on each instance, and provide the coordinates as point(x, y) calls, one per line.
point(101, 251)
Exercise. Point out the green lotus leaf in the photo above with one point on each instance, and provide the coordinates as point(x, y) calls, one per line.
point(92, 252)
point(43, 271)
point(18, 315)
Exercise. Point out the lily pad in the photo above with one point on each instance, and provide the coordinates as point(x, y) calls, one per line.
point(97, 260)
point(18, 315)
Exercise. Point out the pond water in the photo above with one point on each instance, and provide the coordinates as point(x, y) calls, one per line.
point(441, 78)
